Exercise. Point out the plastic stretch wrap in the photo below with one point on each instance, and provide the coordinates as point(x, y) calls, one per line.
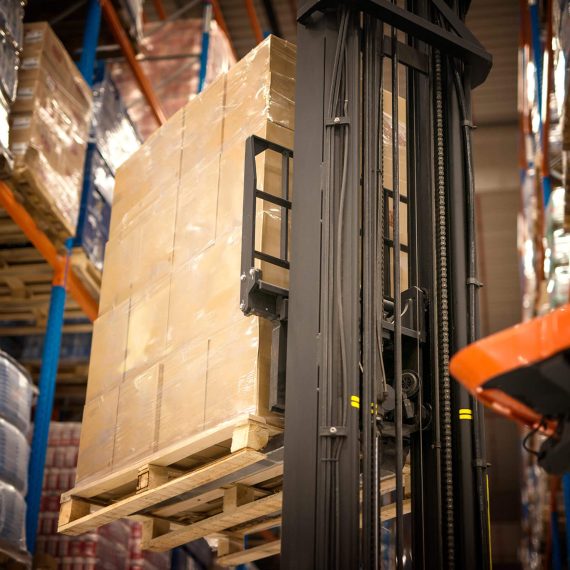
point(15, 394)
point(557, 253)
point(9, 61)
point(528, 244)
point(98, 191)
point(172, 353)
point(50, 121)
point(175, 47)
point(11, 21)
point(112, 130)
point(4, 123)
point(14, 455)
point(132, 12)
point(12, 516)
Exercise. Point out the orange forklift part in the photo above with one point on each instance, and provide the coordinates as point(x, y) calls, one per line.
point(129, 53)
point(44, 245)
point(524, 374)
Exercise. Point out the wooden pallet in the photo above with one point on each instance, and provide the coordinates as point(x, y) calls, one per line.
point(218, 481)
point(41, 206)
point(231, 544)
point(25, 289)
point(87, 273)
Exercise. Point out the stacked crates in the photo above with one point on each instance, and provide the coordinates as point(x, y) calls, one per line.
point(16, 394)
point(11, 42)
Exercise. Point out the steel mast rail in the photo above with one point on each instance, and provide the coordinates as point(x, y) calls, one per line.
point(382, 291)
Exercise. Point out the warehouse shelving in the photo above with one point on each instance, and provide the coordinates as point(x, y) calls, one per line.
point(59, 262)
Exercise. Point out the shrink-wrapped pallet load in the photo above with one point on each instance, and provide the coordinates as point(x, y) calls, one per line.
point(173, 356)
point(49, 129)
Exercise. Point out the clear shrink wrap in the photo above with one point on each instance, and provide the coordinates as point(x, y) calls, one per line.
point(9, 62)
point(112, 130)
point(95, 213)
point(11, 21)
point(172, 353)
point(173, 356)
point(4, 123)
point(172, 67)
point(12, 517)
point(14, 454)
point(50, 122)
point(16, 393)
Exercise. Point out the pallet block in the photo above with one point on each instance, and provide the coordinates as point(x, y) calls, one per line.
point(178, 505)
point(41, 206)
point(86, 272)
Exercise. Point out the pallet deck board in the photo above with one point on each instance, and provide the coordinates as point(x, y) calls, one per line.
point(218, 438)
point(251, 554)
point(211, 525)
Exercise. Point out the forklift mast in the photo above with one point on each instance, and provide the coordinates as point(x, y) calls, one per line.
point(383, 290)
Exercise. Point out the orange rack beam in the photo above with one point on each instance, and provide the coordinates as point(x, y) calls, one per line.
point(127, 49)
point(44, 245)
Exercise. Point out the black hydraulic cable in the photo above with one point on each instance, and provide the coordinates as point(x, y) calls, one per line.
point(370, 464)
point(443, 321)
point(399, 442)
point(472, 289)
point(331, 413)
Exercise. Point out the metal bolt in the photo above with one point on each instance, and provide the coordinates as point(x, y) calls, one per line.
point(242, 305)
point(242, 277)
point(336, 120)
point(252, 271)
point(332, 429)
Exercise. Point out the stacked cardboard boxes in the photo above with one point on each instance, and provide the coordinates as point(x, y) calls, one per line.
point(11, 16)
point(173, 356)
point(50, 124)
point(172, 353)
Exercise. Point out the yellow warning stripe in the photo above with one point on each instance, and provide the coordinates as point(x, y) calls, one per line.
point(465, 414)
point(355, 401)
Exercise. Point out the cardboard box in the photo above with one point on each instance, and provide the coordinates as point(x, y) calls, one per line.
point(44, 50)
point(136, 435)
point(97, 443)
point(50, 125)
point(184, 367)
point(109, 338)
point(191, 359)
